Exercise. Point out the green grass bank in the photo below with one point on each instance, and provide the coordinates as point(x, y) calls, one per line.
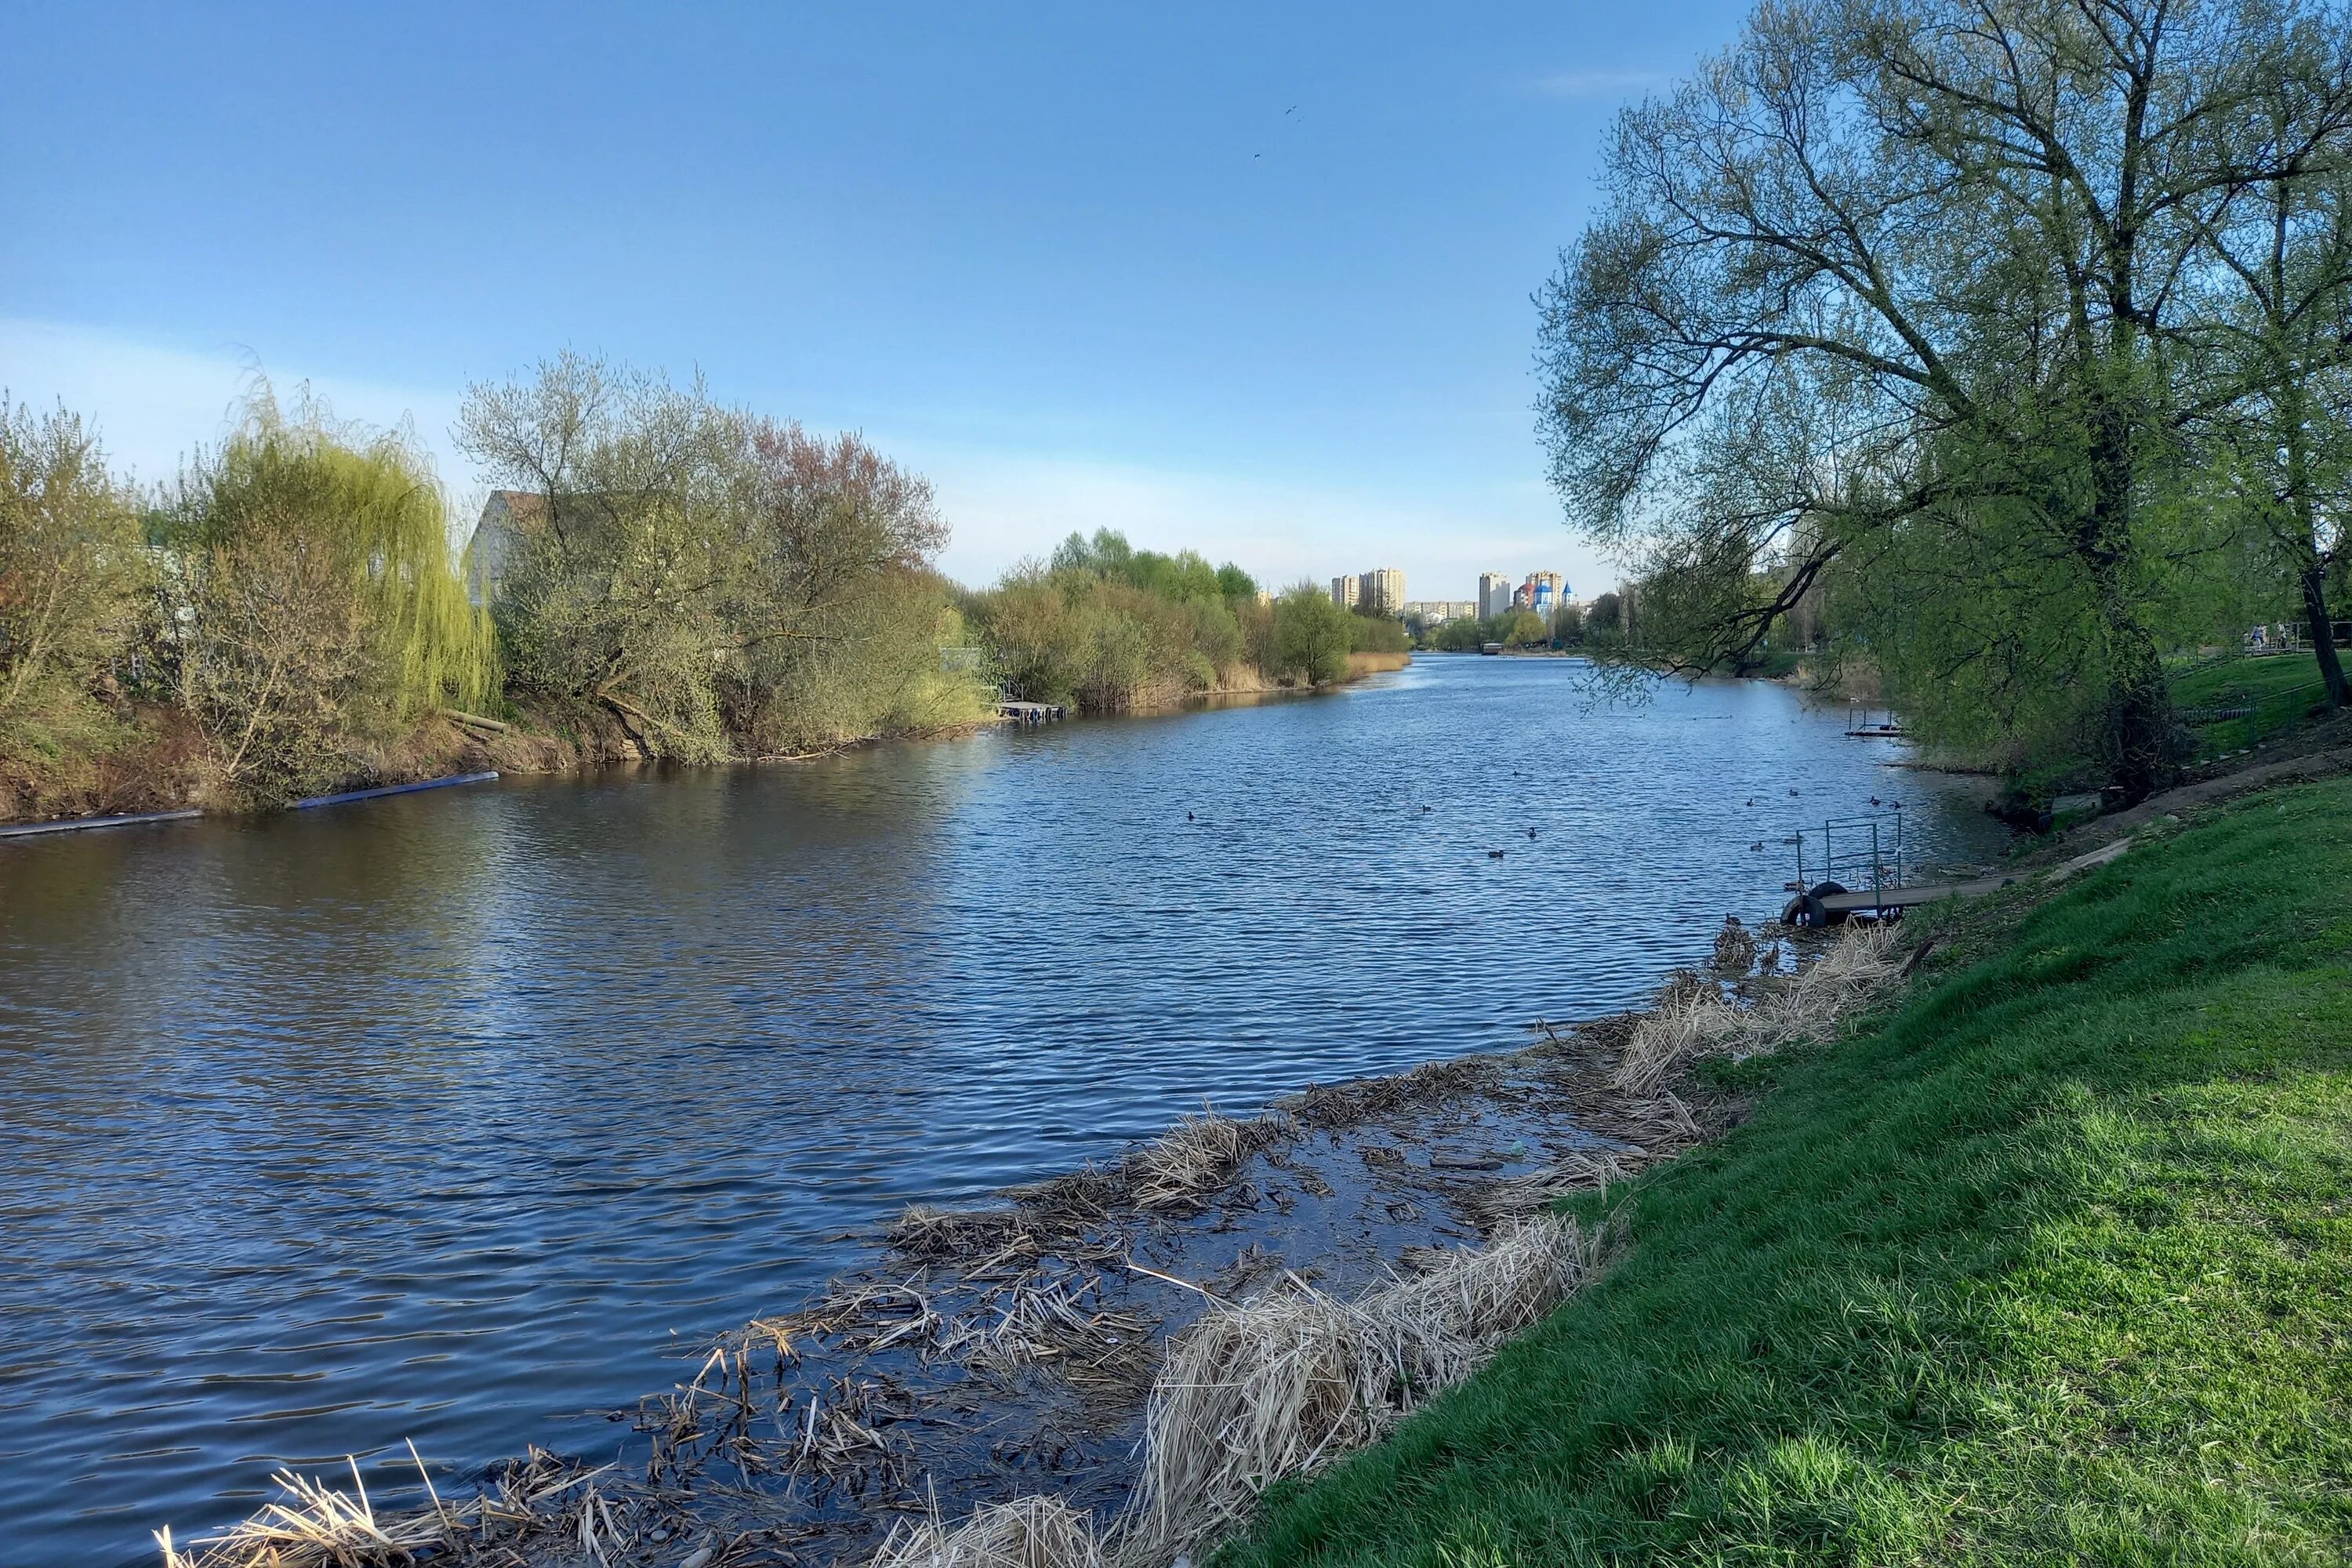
point(2050, 1263)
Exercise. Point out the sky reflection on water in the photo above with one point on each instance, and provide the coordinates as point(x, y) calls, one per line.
point(435, 1118)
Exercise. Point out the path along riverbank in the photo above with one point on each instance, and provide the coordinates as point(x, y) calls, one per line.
point(1845, 1313)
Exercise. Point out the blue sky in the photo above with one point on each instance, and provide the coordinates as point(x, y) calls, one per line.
point(1251, 279)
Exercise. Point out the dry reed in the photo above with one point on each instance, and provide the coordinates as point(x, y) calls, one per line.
point(1027, 1532)
point(1200, 1156)
point(1694, 1018)
point(1735, 947)
point(1252, 1395)
point(316, 1526)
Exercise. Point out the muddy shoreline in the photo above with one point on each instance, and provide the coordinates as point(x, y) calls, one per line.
point(985, 1355)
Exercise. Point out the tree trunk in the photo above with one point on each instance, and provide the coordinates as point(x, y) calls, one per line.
point(2137, 742)
point(2323, 636)
point(2139, 717)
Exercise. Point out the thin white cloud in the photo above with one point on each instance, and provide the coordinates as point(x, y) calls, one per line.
point(1004, 499)
point(154, 403)
point(1601, 83)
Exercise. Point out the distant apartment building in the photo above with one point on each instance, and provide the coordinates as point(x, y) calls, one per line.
point(1523, 597)
point(1344, 591)
point(1437, 612)
point(1381, 589)
point(1494, 593)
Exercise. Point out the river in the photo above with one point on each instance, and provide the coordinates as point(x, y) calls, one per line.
point(451, 1117)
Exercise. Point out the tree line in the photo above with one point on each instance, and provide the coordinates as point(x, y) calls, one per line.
point(668, 577)
point(2006, 343)
point(1110, 628)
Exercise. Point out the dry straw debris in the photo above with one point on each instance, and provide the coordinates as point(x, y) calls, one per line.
point(314, 1526)
point(1253, 1394)
point(1027, 1532)
point(1197, 1158)
point(1693, 1016)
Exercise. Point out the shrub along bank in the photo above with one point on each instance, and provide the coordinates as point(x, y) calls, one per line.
point(2047, 1265)
point(1110, 629)
point(668, 577)
point(678, 579)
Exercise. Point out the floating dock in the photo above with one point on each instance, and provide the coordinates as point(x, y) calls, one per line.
point(1032, 712)
point(1883, 900)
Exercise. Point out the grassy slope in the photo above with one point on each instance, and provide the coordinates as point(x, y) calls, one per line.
point(2053, 1264)
point(2228, 682)
point(2282, 689)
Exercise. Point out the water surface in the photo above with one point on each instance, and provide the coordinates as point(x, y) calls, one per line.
point(448, 1117)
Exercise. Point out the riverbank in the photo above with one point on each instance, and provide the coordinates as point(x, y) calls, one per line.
point(931, 1051)
point(990, 1356)
point(168, 775)
point(2039, 1263)
point(2100, 1146)
point(2046, 1265)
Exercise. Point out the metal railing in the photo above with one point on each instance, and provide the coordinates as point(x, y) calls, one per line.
point(1858, 853)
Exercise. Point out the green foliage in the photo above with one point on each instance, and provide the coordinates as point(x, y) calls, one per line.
point(2045, 1265)
point(321, 606)
point(1076, 636)
point(1110, 628)
point(711, 581)
point(368, 505)
point(1520, 628)
point(1371, 632)
point(1463, 636)
point(74, 583)
point(283, 667)
point(882, 674)
point(1838, 327)
point(1312, 636)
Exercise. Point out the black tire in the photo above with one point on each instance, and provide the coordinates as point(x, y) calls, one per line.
point(1818, 914)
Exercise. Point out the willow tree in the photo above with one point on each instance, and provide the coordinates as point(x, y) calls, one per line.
point(1895, 275)
point(326, 608)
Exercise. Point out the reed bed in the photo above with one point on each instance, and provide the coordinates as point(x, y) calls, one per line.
point(1254, 1394)
point(1197, 1158)
point(931, 1234)
point(1248, 1394)
point(1735, 947)
point(1693, 1018)
point(1037, 1325)
point(1352, 1104)
point(316, 1525)
point(1027, 1532)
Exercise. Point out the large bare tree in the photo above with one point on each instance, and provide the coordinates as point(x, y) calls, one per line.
point(1891, 272)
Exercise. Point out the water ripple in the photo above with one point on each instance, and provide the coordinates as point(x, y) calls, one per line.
point(438, 1118)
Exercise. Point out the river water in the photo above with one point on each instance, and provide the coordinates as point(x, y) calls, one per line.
point(452, 1117)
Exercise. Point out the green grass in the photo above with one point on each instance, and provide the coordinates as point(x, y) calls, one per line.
point(2282, 689)
point(2053, 1264)
point(2225, 683)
